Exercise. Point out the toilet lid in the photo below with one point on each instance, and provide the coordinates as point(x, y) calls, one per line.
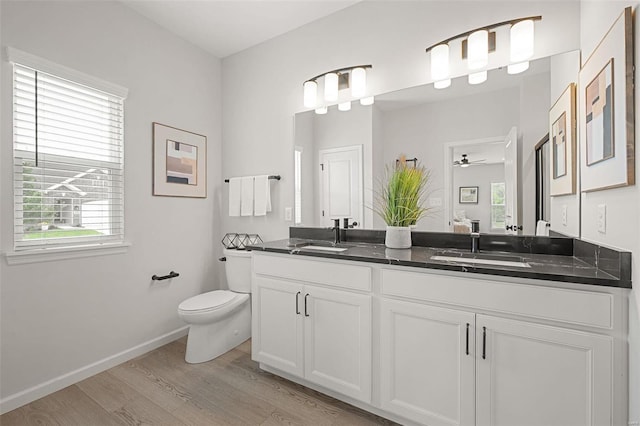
point(211, 300)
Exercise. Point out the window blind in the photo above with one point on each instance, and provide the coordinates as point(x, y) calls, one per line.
point(68, 162)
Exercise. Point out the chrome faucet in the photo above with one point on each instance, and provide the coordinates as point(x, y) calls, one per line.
point(475, 236)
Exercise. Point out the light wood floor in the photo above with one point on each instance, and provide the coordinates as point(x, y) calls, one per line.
point(159, 388)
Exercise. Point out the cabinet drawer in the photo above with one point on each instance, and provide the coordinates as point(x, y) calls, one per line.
point(312, 271)
point(572, 306)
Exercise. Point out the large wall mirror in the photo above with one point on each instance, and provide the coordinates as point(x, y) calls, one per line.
point(478, 141)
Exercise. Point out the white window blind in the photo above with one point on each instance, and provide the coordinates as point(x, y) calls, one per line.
point(68, 162)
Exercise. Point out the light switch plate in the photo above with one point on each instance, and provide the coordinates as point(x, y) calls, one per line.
point(288, 214)
point(564, 214)
point(602, 218)
point(435, 202)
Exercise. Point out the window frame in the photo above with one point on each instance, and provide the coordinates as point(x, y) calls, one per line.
point(34, 251)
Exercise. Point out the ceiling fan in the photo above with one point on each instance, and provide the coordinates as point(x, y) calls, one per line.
point(464, 161)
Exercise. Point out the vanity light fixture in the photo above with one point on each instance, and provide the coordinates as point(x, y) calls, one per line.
point(354, 77)
point(344, 106)
point(476, 46)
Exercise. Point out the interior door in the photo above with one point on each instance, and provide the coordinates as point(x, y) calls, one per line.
point(511, 181)
point(341, 184)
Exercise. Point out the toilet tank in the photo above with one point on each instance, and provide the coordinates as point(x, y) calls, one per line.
point(238, 270)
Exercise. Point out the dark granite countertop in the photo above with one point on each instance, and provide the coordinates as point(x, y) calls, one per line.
point(549, 267)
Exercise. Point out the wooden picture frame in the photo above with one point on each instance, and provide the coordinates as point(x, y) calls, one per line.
point(607, 111)
point(179, 162)
point(468, 195)
point(562, 143)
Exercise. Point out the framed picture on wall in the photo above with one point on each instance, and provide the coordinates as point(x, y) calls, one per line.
point(179, 162)
point(607, 111)
point(468, 195)
point(562, 138)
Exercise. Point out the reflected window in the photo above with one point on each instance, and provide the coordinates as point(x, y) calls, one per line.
point(298, 185)
point(497, 206)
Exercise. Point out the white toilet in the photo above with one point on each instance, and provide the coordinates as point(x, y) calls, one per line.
point(220, 320)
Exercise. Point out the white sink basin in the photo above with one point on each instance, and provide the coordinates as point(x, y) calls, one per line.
point(323, 248)
point(495, 262)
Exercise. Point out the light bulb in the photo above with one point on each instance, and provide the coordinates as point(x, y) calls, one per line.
point(478, 77)
point(358, 82)
point(331, 87)
point(442, 84)
point(521, 37)
point(367, 101)
point(310, 93)
point(321, 110)
point(440, 62)
point(344, 106)
point(478, 49)
point(518, 68)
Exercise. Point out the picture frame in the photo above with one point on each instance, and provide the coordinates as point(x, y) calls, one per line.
point(468, 195)
point(179, 162)
point(607, 111)
point(562, 143)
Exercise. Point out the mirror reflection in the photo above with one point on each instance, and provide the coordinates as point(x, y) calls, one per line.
point(478, 141)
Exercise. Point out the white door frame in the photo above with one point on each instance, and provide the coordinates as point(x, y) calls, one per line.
point(448, 173)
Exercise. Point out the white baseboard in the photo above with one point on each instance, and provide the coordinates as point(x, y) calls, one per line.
point(36, 392)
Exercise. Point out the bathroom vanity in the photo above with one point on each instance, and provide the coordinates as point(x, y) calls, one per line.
point(445, 342)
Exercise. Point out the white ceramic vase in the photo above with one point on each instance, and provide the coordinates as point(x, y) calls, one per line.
point(398, 237)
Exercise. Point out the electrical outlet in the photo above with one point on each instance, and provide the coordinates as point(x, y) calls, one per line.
point(602, 218)
point(564, 214)
point(288, 214)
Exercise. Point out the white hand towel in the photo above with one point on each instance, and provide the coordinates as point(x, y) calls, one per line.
point(262, 195)
point(246, 200)
point(234, 196)
point(542, 228)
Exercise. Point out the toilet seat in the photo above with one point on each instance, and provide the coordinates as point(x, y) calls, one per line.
point(207, 302)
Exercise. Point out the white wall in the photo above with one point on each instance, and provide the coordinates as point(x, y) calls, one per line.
point(482, 176)
point(623, 204)
point(262, 87)
point(58, 317)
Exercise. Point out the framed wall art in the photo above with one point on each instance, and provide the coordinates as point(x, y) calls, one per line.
point(179, 162)
point(607, 111)
point(468, 195)
point(562, 143)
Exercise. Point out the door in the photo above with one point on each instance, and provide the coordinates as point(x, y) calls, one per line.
point(427, 363)
point(529, 374)
point(277, 328)
point(338, 341)
point(341, 184)
point(511, 181)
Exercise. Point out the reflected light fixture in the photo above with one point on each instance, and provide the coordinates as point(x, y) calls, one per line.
point(475, 48)
point(354, 77)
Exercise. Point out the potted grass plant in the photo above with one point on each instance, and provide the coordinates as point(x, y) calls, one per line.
point(400, 200)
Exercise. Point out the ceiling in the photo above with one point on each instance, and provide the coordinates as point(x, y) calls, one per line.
point(225, 27)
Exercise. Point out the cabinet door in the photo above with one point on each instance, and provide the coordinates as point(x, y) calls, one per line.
point(540, 375)
point(427, 363)
point(338, 341)
point(277, 324)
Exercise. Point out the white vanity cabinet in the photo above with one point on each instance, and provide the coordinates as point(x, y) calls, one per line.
point(312, 319)
point(426, 347)
point(505, 371)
